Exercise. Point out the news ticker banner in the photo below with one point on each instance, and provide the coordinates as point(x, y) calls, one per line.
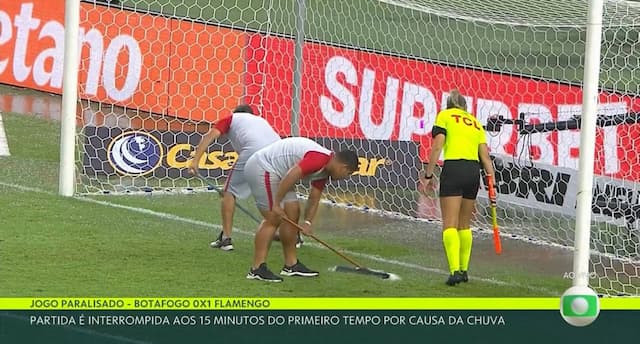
point(219, 304)
point(309, 326)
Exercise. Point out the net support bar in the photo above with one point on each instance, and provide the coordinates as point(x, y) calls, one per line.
point(301, 14)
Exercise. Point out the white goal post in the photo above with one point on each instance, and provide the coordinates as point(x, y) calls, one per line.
point(582, 242)
point(69, 98)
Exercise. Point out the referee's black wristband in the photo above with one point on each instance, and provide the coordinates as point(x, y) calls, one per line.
point(428, 177)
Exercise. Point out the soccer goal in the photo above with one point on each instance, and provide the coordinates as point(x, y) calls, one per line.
point(369, 75)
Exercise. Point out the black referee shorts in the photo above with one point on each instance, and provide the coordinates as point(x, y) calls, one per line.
point(460, 178)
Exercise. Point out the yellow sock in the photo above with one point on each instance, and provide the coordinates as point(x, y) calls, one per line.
point(466, 239)
point(452, 248)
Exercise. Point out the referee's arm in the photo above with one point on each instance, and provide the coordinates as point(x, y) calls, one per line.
point(438, 134)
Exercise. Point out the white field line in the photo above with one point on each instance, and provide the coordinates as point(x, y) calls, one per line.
point(370, 257)
point(393, 215)
point(4, 144)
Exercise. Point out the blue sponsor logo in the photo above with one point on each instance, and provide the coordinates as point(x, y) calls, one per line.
point(135, 153)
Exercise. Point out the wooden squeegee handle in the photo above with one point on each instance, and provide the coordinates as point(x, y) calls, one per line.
point(297, 226)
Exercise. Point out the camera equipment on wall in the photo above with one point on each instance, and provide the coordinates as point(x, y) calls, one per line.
point(610, 206)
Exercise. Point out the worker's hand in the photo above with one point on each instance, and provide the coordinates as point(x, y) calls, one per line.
point(193, 167)
point(306, 228)
point(278, 211)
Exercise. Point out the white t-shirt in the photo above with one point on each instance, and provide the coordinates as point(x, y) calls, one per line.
point(279, 157)
point(248, 133)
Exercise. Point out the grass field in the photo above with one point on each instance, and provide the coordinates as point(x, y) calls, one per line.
point(158, 245)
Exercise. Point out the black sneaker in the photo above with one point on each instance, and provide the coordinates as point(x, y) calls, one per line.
point(465, 277)
point(300, 241)
point(298, 269)
point(223, 244)
point(263, 273)
point(454, 278)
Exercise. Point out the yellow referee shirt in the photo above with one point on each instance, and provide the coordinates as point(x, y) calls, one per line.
point(463, 133)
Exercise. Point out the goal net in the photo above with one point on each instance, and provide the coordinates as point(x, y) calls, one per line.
point(373, 75)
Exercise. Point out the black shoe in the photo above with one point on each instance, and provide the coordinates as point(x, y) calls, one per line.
point(465, 277)
point(263, 273)
point(300, 241)
point(223, 244)
point(298, 269)
point(454, 278)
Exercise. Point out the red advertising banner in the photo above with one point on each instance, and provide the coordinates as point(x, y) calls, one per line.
point(198, 71)
point(357, 94)
point(141, 61)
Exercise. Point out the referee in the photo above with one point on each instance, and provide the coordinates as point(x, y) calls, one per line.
point(465, 146)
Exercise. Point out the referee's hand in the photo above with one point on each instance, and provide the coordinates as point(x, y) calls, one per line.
point(425, 187)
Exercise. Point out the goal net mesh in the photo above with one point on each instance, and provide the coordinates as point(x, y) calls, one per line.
point(155, 74)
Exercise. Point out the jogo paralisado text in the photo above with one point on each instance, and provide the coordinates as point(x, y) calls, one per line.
point(150, 304)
